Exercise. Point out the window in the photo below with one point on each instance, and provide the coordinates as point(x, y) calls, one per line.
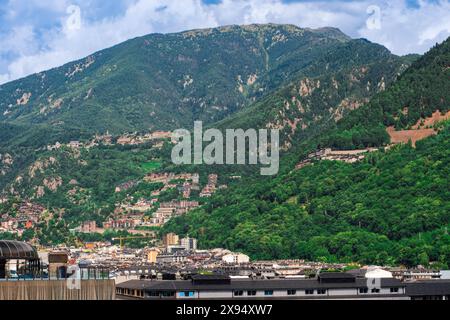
point(184, 294)
point(363, 290)
point(394, 290)
point(251, 293)
point(309, 291)
point(188, 294)
point(375, 290)
point(168, 294)
point(292, 292)
point(268, 293)
point(322, 291)
point(239, 293)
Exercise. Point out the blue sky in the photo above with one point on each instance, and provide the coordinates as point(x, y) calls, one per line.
point(36, 35)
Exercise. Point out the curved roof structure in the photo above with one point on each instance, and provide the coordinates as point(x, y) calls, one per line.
point(17, 250)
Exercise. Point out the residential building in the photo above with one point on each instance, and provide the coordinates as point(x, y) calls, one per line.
point(236, 258)
point(325, 286)
point(171, 258)
point(89, 227)
point(175, 248)
point(189, 243)
point(170, 239)
point(152, 255)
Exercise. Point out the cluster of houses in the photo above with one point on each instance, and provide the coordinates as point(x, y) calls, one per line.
point(121, 224)
point(26, 215)
point(176, 258)
point(108, 139)
point(176, 250)
point(135, 139)
point(211, 187)
point(129, 221)
point(348, 156)
point(185, 182)
point(171, 251)
point(166, 178)
point(168, 210)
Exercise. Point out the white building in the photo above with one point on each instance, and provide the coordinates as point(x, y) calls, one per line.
point(189, 243)
point(236, 258)
point(377, 273)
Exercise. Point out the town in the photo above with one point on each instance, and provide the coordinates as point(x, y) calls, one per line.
point(129, 249)
point(130, 213)
point(176, 269)
point(138, 207)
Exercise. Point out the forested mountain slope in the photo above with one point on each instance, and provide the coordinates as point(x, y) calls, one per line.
point(393, 207)
point(420, 91)
point(276, 76)
point(321, 88)
point(165, 82)
point(319, 99)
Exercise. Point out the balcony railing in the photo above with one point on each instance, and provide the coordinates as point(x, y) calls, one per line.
point(61, 273)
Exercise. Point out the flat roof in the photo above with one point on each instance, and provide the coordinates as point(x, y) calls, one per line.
point(336, 275)
point(428, 288)
point(248, 284)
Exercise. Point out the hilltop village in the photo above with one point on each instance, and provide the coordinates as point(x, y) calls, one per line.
point(424, 128)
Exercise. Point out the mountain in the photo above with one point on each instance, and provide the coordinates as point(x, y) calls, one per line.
point(419, 92)
point(331, 86)
point(299, 80)
point(390, 208)
point(165, 82)
point(321, 88)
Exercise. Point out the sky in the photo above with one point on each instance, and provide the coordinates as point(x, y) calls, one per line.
point(36, 35)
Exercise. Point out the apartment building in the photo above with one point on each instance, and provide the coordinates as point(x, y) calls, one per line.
point(325, 286)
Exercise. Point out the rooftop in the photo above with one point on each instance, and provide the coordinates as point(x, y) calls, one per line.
point(244, 284)
point(17, 250)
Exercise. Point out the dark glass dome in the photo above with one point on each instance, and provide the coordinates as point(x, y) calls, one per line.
point(17, 250)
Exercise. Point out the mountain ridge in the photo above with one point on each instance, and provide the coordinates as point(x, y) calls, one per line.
point(390, 208)
point(153, 88)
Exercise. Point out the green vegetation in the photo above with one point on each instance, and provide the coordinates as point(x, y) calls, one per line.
point(356, 71)
point(419, 92)
point(89, 178)
point(392, 208)
point(151, 166)
point(165, 82)
point(369, 212)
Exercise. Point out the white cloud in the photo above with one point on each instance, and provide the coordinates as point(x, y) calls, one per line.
point(20, 38)
point(403, 29)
